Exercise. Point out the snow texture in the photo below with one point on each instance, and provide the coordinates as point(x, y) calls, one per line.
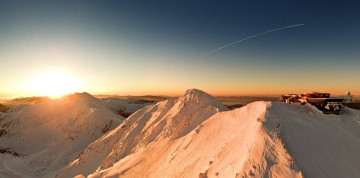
point(39, 139)
point(190, 136)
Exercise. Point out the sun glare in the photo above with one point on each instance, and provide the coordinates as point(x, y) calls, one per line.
point(53, 84)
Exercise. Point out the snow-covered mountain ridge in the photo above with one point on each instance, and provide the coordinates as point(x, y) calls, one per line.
point(38, 139)
point(197, 136)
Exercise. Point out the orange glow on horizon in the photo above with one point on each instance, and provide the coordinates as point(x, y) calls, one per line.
point(52, 83)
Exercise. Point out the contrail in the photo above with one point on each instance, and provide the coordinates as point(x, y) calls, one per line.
point(249, 37)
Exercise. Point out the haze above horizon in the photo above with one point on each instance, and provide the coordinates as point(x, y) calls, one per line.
point(152, 48)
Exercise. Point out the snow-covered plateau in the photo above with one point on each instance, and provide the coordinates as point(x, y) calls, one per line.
point(190, 136)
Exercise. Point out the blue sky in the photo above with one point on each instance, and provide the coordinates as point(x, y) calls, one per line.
point(153, 47)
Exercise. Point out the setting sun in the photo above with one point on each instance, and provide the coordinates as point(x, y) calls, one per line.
point(53, 84)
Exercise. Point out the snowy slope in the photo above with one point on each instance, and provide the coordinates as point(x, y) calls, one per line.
point(48, 135)
point(166, 120)
point(322, 145)
point(177, 138)
point(228, 144)
point(190, 136)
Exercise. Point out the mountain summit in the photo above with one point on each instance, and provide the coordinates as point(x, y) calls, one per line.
point(159, 123)
point(203, 99)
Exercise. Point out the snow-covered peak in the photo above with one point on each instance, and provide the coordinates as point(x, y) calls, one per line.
point(49, 134)
point(167, 120)
point(81, 95)
point(82, 98)
point(203, 99)
point(198, 95)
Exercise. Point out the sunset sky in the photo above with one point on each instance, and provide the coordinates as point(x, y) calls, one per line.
point(156, 47)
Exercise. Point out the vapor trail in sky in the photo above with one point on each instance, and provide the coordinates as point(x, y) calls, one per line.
point(249, 37)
